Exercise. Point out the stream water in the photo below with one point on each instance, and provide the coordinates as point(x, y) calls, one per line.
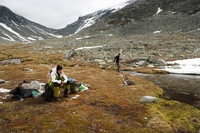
point(183, 88)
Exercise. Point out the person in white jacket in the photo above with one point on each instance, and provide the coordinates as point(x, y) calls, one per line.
point(58, 80)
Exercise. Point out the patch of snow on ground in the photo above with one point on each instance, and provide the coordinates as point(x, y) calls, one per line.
point(87, 36)
point(159, 10)
point(79, 38)
point(81, 48)
point(156, 32)
point(12, 31)
point(187, 66)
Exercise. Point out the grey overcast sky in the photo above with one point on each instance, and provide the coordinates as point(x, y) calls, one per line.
point(56, 13)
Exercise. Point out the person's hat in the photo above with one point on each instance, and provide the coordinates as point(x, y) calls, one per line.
point(59, 68)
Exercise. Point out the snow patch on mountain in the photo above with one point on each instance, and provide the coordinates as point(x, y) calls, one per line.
point(118, 7)
point(12, 31)
point(10, 38)
point(57, 36)
point(31, 29)
point(97, 15)
point(159, 10)
point(14, 23)
point(90, 21)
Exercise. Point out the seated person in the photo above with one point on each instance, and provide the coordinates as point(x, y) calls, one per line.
point(58, 80)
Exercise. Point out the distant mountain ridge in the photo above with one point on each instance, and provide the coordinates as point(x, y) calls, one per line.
point(131, 17)
point(14, 27)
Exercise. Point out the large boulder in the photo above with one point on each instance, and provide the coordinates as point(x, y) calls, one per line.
point(155, 61)
point(70, 54)
point(197, 51)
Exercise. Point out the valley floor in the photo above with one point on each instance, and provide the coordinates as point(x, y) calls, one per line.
point(106, 107)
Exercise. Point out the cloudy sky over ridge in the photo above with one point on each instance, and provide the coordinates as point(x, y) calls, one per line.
point(56, 13)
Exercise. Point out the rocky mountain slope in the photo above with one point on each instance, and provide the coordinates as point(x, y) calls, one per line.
point(17, 28)
point(90, 19)
point(152, 16)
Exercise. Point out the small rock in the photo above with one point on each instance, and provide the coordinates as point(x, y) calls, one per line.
point(150, 66)
point(102, 63)
point(2, 90)
point(2, 81)
point(27, 70)
point(1, 102)
point(48, 47)
point(2, 72)
point(195, 120)
point(148, 99)
point(75, 97)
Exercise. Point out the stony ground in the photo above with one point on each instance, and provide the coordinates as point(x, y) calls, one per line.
point(106, 107)
point(135, 49)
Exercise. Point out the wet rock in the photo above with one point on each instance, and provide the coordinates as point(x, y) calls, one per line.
point(2, 81)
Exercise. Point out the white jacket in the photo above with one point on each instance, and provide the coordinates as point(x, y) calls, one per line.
point(54, 74)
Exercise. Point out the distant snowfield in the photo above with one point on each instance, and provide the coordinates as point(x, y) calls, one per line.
point(91, 21)
point(81, 48)
point(22, 38)
point(187, 66)
point(12, 31)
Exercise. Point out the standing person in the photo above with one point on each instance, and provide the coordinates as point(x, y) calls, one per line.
point(116, 60)
point(58, 80)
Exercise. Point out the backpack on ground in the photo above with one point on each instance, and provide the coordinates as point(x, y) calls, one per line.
point(49, 94)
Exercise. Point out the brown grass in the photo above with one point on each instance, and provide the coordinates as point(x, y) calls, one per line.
point(106, 107)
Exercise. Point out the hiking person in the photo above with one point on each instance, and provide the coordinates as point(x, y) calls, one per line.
point(58, 80)
point(116, 60)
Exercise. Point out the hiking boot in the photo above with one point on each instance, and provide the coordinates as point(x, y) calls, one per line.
point(57, 99)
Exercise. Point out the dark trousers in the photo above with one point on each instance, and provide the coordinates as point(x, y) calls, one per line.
point(118, 67)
